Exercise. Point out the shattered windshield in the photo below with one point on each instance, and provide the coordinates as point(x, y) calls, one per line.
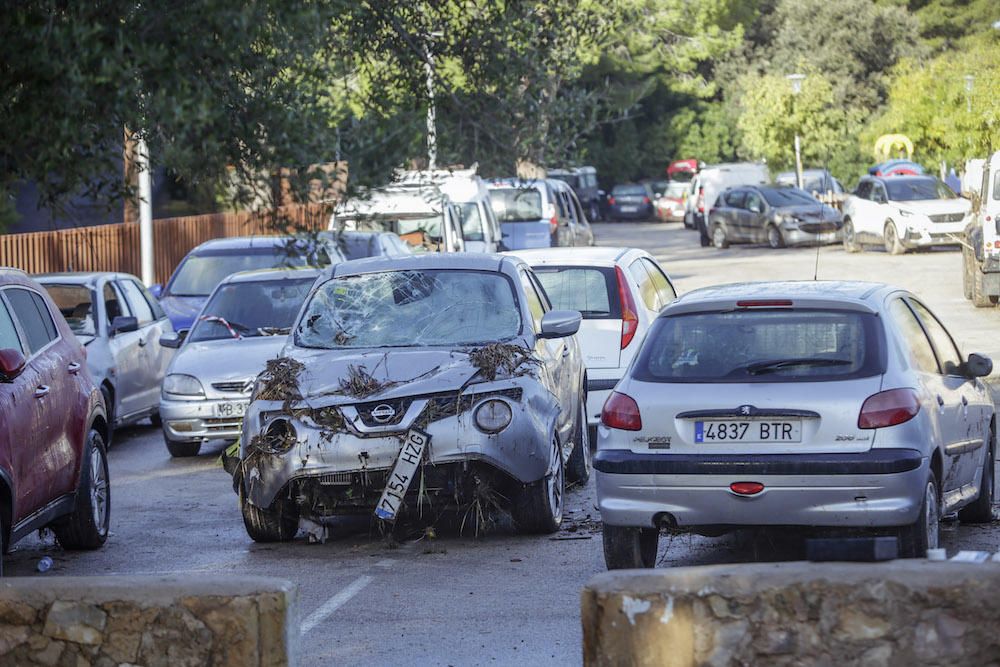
point(74, 302)
point(410, 309)
point(251, 309)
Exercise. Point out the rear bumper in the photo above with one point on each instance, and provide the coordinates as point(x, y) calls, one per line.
point(878, 488)
point(802, 237)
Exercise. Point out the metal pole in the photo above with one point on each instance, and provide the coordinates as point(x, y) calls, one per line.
point(145, 213)
point(798, 161)
point(431, 112)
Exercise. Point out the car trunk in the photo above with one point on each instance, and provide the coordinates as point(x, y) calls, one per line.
point(600, 342)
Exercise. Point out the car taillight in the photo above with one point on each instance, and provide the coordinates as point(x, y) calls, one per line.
point(553, 223)
point(621, 412)
point(889, 408)
point(611, 200)
point(630, 320)
point(764, 303)
point(701, 200)
point(645, 200)
point(746, 488)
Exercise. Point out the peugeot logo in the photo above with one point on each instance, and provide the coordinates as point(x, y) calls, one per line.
point(746, 410)
point(383, 413)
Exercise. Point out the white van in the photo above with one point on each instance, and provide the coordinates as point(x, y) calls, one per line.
point(421, 215)
point(710, 182)
point(981, 251)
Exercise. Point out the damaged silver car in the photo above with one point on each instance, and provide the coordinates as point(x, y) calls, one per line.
point(418, 386)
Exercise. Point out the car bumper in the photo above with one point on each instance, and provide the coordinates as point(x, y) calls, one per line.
point(801, 237)
point(641, 214)
point(940, 234)
point(878, 488)
point(196, 421)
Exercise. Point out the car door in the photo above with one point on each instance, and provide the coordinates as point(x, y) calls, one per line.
point(153, 357)
point(879, 210)
point(964, 402)
point(753, 217)
point(127, 370)
point(585, 235)
point(732, 202)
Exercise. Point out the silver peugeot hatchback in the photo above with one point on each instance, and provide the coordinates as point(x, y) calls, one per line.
point(823, 404)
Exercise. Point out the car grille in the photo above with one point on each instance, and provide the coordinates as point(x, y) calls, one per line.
point(237, 387)
point(223, 424)
point(372, 478)
point(948, 217)
point(399, 406)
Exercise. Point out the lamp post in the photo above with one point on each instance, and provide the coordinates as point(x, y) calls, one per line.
point(431, 108)
point(796, 81)
point(969, 79)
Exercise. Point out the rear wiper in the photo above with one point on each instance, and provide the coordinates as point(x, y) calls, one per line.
point(761, 367)
point(594, 312)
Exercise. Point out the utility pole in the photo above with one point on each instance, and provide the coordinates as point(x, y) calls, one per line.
point(796, 80)
point(969, 79)
point(145, 213)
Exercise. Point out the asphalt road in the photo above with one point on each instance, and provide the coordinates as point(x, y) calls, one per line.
point(461, 600)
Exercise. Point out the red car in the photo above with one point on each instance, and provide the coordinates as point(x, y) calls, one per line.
point(53, 424)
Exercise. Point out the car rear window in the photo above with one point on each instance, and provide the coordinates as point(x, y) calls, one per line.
point(589, 289)
point(517, 204)
point(619, 190)
point(779, 345)
point(199, 274)
point(74, 302)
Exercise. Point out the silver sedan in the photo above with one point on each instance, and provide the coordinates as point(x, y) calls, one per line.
point(826, 404)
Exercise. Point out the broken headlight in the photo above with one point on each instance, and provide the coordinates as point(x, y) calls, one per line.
point(277, 438)
point(493, 416)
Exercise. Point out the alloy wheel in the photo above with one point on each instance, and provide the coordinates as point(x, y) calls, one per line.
point(555, 484)
point(98, 489)
point(931, 516)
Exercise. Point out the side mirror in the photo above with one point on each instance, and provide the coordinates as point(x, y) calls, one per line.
point(174, 341)
point(978, 366)
point(560, 323)
point(156, 290)
point(11, 364)
point(124, 324)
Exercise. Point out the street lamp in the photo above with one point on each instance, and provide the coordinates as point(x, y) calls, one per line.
point(431, 108)
point(796, 81)
point(969, 79)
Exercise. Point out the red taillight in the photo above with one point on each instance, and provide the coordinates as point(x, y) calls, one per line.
point(553, 223)
point(889, 408)
point(645, 200)
point(701, 200)
point(746, 488)
point(611, 200)
point(630, 321)
point(622, 412)
point(762, 303)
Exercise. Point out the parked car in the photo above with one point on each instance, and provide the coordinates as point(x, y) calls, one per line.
point(528, 213)
point(361, 245)
point(452, 369)
point(670, 205)
point(569, 208)
point(683, 170)
point(419, 213)
point(244, 323)
point(834, 405)
point(53, 462)
point(901, 213)
point(583, 180)
point(204, 267)
point(619, 292)
point(119, 323)
point(778, 215)
point(814, 181)
point(709, 183)
point(981, 252)
point(631, 201)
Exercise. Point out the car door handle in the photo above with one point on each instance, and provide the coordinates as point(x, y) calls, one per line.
point(940, 401)
point(965, 402)
point(73, 368)
point(142, 342)
point(41, 391)
point(565, 351)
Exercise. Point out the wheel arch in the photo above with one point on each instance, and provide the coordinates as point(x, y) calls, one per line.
point(6, 508)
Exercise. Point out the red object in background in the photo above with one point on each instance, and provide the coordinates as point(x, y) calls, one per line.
point(677, 166)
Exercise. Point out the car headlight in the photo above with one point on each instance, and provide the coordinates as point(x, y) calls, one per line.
point(179, 384)
point(277, 438)
point(493, 416)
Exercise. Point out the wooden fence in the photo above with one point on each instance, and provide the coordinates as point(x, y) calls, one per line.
point(116, 247)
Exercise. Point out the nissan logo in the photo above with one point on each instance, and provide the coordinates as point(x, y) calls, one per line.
point(383, 413)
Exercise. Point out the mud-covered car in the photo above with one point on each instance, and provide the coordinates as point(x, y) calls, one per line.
point(425, 384)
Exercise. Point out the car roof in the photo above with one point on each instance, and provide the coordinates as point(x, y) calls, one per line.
point(399, 199)
point(597, 255)
point(854, 294)
point(466, 261)
point(903, 178)
point(242, 242)
point(88, 278)
point(259, 275)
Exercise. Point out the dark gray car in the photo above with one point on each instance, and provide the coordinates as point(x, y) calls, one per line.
point(778, 215)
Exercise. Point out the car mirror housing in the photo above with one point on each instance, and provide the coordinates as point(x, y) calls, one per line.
point(156, 290)
point(12, 362)
point(175, 340)
point(560, 323)
point(124, 324)
point(978, 366)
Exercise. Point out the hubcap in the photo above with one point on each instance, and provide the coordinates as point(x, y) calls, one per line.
point(890, 237)
point(555, 484)
point(718, 236)
point(849, 233)
point(930, 499)
point(772, 237)
point(98, 489)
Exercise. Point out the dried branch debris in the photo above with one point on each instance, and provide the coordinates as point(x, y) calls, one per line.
point(280, 381)
point(360, 383)
point(494, 358)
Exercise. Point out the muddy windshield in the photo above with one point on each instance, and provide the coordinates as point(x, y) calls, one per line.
point(251, 309)
point(410, 309)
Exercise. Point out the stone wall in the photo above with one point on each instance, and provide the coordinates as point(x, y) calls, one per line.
point(903, 612)
point(180, 621)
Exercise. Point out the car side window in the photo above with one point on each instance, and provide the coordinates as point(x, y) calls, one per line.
point(864, 190)
point(647, 291)
point(918, 347)
point(754, 202)
point(878, 193)
point(543, 296)
point(736, 198)
point(948, 355)
point(9, 339)
point(114, 303)
point(665, 292)
point(34, 316)
point(137, 302)
point(534, 301)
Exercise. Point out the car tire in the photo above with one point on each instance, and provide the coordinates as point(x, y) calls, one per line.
point(580, 459)
point(979, 297)
point(922, 534)
point(850, 237)
point(155, 419)
point(893, 245)
point(774, 238)
point(627, 548)
point(719, 239)
point(180, 449)
point(278, 523)
point(109, 407)
point(981, 510)
point(538, 507)
point(87, 526)
point(966, 272)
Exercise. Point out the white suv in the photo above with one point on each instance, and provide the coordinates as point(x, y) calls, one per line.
point(619, 292)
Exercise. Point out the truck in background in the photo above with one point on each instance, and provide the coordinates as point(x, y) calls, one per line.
point(981, 251)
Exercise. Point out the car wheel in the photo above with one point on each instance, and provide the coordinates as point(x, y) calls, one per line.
point(580, 459)
point(981, 510)
point(893, 245)
point(87, 526)
point(850, 238)
point(629, 548)
point(719, 239)
point(774, 237)
point(180, 449)
point(979, 297)
point(538, 508)
point(278, 523)
point(921, 535)
point(109, 407)
point(966, 272)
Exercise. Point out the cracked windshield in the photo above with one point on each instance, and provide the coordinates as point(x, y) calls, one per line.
point(359, 332)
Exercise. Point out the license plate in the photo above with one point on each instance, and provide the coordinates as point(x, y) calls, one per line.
point(748, 431)
point(629, 209)
point(233, 409)
point(403, 472)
